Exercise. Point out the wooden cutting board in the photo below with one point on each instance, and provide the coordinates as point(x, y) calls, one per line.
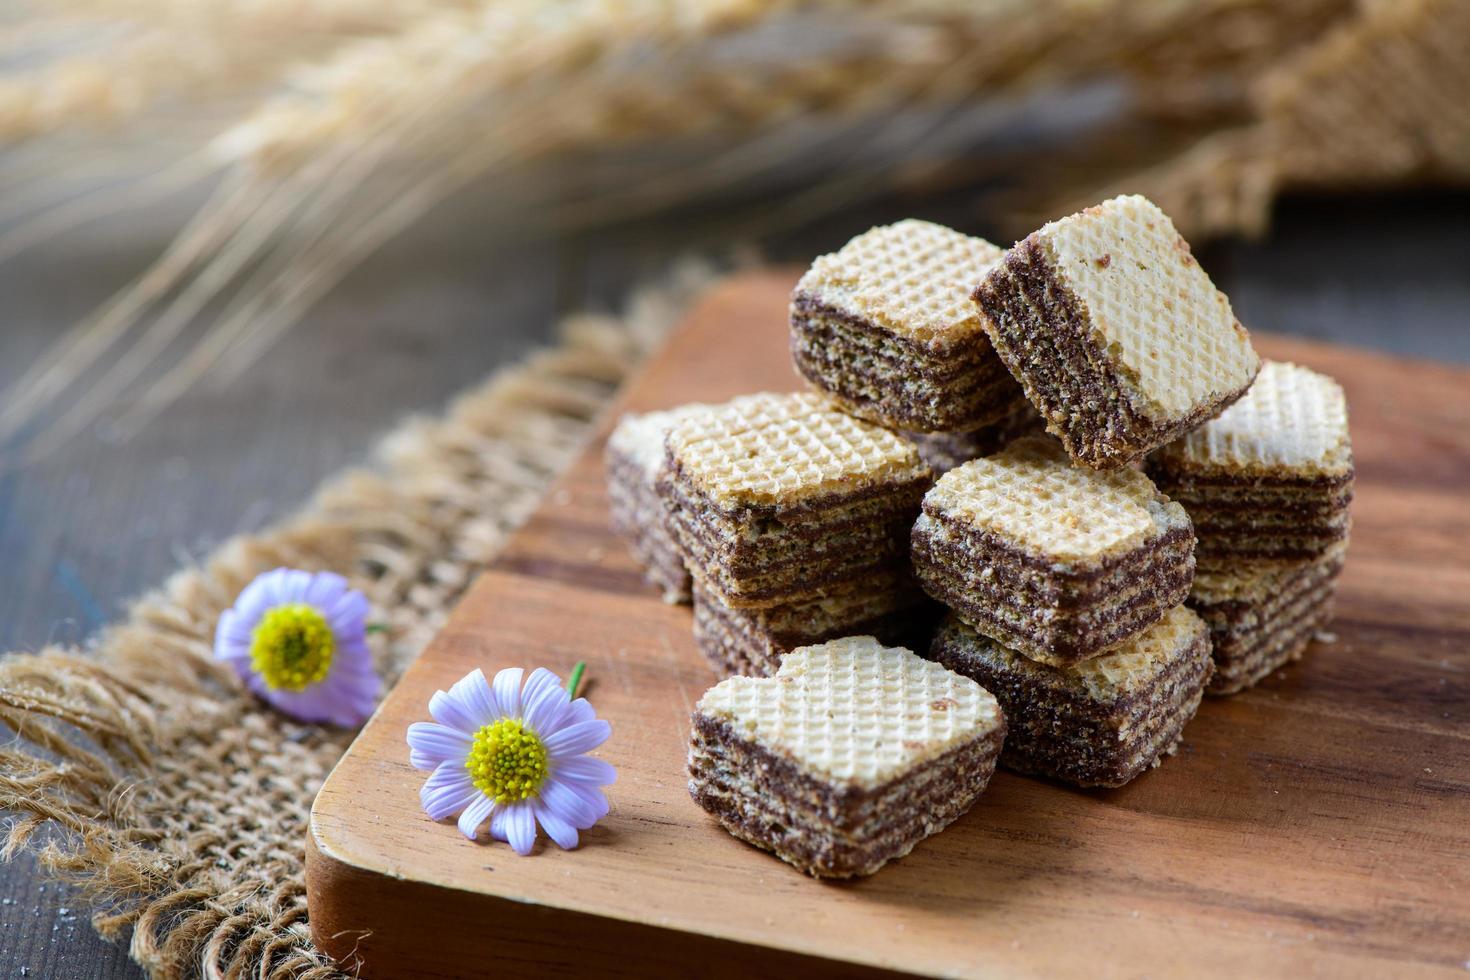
point(1319, 823)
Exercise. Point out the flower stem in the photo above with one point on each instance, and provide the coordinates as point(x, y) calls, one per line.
point(576, 678)
point(375, 628)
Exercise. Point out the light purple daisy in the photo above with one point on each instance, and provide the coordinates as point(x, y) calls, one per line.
point(512, 756)
point(299, 640)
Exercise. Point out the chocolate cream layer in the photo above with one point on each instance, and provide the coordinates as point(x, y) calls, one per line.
point(827, 830)
point(897, 381)
point(1037, 327)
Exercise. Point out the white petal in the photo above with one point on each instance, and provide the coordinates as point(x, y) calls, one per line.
point(507, 687)
point(556, 828)
point(261, 594)
point(570, 805)
point(454, 707)
point(595, 798)
point(577, 712)
point(498, 821)
point(347, 614)
point(520, 828)
point(324, 589)
point(543, 702)
point(439, 743)
point(575, 739)
point(292, 585)
point(478, 698)
point(233, 632)
point(474, 815)
point(585, 769)
point(447, 791)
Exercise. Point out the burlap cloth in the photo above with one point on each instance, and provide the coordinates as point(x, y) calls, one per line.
point(174, 801)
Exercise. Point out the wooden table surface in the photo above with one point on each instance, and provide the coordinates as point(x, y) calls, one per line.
point(97, 523)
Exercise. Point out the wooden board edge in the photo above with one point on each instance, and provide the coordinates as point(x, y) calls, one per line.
point(378, 925)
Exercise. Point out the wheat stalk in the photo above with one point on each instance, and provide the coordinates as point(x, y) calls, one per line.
point(345, 157)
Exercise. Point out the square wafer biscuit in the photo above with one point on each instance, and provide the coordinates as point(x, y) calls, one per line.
point(1115, 332)
point(1097, 723)
point(1272, 477)
point(886, 327)
point(779, 498)
point(887, 604)
point(845, 759)
point(1057, 561)
point(635, 452)
point(1263, 614)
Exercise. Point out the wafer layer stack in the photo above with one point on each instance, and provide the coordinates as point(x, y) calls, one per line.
point(1057, 561)
point(847, 758)
point(1268, 485)
point(1272, 477)
point(785, 509)
point(885, 326)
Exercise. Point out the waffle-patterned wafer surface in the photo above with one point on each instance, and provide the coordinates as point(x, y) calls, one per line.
point(913, 278)
point(1034, 497)
point(1131, 667)
point(639, 437)
point(855, 711)
point(1150, 305)
point(783, 449)
point(1293, 421)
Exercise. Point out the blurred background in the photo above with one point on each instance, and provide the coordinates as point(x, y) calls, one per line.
point(240, 238)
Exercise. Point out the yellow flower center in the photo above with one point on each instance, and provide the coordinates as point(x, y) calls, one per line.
point(507, 761)
point(292, 646)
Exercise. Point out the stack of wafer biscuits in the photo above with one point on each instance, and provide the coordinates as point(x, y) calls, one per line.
point(1066, 587)
point(1268, 485)
point(792, 518)
point(1177, 530)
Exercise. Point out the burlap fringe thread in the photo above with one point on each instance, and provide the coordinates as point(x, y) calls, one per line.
point(150, 779)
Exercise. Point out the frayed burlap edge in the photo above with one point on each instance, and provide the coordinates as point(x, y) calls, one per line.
point(148, 778)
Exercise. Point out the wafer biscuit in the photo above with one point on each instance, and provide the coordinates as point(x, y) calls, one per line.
point(1097, 723)
point(635, 451)
point(1263, 614)
point(886, 604)
point(780, 498)
point(1115, 332)
point(1272, 477)
point(1056, 561)
point(886, 327)
point(845, 759)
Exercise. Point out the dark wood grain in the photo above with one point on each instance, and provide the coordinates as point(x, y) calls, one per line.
point(1314, 824)
point(98, 523)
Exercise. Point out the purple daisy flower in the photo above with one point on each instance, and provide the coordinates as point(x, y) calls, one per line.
point(513, 756)
point(299, 641)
